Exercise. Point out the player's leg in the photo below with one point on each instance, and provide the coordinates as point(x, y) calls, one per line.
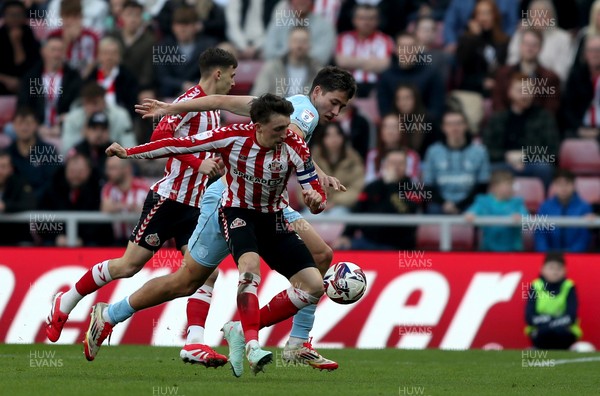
point(299, 348)
point(145, 239)
point(207, 247)
point(241, 228)
point(180, 283)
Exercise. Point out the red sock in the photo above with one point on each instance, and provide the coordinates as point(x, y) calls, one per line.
point(278, 309)
point(197, 311)
point(86, 285)
point(249, 315)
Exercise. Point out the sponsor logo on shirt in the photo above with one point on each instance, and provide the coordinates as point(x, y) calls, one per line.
point(253, 179)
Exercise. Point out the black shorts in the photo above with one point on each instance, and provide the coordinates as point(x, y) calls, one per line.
point(268, 235)
point(163, 219)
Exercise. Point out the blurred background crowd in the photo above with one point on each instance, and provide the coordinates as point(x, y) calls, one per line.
point(471, 107)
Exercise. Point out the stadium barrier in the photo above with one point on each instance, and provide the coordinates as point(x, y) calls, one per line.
point(39, 220)
point(414, 299)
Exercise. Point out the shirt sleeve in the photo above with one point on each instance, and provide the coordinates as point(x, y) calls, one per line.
point(305, 119)
point(305, 170)
point(207, 141)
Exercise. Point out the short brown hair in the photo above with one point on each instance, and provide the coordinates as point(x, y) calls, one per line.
point(92, 91)
point(70, 8)
point(263, 107)
point(185, 15)
point(500, 176)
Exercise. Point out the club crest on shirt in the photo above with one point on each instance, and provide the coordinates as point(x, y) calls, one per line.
point(237, 223)
point(307, 116)
point(243, 157)
point(277, 166)
point(152, 239)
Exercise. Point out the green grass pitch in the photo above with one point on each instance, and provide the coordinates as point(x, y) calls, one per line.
point(154, 371)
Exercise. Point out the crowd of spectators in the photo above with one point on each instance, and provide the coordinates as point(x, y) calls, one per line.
point(456, 101)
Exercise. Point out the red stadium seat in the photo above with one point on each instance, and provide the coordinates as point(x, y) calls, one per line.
point(531, 189)
point(368, 108)
point(588, 189)
point(580, 156)
point(245, 75)
point(428, 237)
point(8, 106)
point(230, 118)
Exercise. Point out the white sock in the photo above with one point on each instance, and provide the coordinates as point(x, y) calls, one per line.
point(295, 341)
point(251, 345)
point(106, 317)
point(195, 335)
point(69, 300)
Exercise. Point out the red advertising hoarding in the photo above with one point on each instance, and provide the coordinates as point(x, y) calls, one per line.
point(414, 299)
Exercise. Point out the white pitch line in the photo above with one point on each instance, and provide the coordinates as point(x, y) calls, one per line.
point(578, 360)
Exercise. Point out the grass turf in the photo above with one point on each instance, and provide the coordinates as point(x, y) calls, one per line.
point(153, 371)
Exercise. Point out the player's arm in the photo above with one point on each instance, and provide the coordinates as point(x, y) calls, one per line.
point(235, 104)
point(168, 131)
point(326, 180)
point(313, 193)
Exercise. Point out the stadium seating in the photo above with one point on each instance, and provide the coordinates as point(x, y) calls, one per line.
point(580, 156)
point(588, 189)
point(245, 75)
point(8, 106)
point(531, 189)
point(428, 237)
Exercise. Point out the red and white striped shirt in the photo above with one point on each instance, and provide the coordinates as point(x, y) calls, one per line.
point(257, 176)
point(132, 198)
point(378, 45)
point(182, 182)
point(83, 50)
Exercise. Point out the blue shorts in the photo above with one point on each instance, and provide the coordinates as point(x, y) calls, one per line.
point(207, 245)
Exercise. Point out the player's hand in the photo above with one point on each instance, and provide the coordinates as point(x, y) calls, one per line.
point(212, 167)
point(312, 199)
point(116, 149)
point(151, 108)
point(330, 181)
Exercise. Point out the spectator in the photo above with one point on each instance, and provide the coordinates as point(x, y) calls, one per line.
point(336, 158)
point(551, 310)
point(76, 187)
point(119, 82)
point(394, 14)
point(291, 74)
point(94, 13)
point(211, 20)
point(382, 197)
point(581, 102)
point(328, 9)
point(364, 51)
point(247, 22)
point(455, 169)
point(33, 160)
point(176, 59)
point(290, 13)
point(122, 193)
point(18, 45)
point(81, 42)
point(456, 19)
point(137, 43)
point(524, 138)
point(357, 128)
point(565, 202)
point(481, 49)
point(568, 13)
point(499, 202)
point(50, 88)
point(557, 50)
point(426, 36)
point(418, 128)
point(591, 29)
point(96, 139)
point(390, 137)
point(92, 98)
point(16, 195)
point(408, 68)
point(528, 64)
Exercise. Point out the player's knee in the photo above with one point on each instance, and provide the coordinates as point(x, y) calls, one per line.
point(323, 259)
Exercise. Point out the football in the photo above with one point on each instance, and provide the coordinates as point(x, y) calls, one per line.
point(345, 283)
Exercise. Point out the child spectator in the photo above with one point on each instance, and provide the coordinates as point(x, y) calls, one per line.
point(565, 202)
point(551, 311)
point(455, 170)
point(499, 202)
point(391, 193)
point(391, 137)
